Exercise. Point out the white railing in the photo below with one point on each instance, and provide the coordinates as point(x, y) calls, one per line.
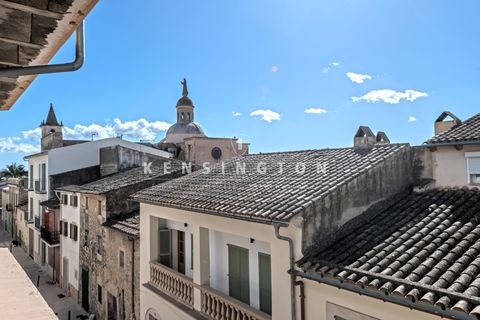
point(214, 304)
point(172, 283)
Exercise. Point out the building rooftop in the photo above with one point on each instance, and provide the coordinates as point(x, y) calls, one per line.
point(32, 32)
point(466, 131)
point(274, 195)
point(419, 247)
point(129, 177)
point(128, 224)
point(19, 298)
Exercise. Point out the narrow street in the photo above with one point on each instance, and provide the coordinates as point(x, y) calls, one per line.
point(50, 292)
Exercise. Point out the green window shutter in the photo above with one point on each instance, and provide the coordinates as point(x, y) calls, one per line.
point(238, 273)
point(165, 246)
point(265, 282)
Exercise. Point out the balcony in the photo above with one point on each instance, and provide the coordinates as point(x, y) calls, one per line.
point(40, 186)
point(51, 237)
point(37, 222)
point(214, 304)
point(26, 217)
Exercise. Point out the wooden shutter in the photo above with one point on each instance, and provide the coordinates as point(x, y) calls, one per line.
point(75, 232)
point(238, 273)
point(65, 228)
point(165, 246)
point(265, 282)
point(61, 227)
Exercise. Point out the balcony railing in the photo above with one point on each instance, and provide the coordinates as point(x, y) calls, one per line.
point(173, 283)
point(51, 237)
point(37, 222)
point(214, 304)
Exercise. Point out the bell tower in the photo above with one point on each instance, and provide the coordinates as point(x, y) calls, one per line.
point(185, 107)
point(52, 135)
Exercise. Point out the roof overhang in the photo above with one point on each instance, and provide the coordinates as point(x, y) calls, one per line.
point(31, 34)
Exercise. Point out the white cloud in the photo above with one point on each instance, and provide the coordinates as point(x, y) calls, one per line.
point(236, 114)
point(140, 129)
point(315, 110)
point(412, 119)
point(357, 77)
point(275, 69)
point(330, 66)
point(390, 96)
point(266, 115)
point(11, 144)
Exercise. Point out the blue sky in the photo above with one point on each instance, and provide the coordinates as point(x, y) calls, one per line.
point(243, 56)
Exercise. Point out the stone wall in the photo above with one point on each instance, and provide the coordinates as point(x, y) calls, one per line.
point(104, 268)
point(75, 177)
point(396, 174)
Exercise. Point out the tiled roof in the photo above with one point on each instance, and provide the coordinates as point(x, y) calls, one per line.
point(128, 178)
point(129, 224)
point(469, 130)
point(423, 247)
point(278, 194)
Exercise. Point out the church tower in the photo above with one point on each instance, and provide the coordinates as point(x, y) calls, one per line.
point(184, 106)
point(52, 135)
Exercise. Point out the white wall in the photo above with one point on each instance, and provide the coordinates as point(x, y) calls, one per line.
point(219, 242)
point(450, 165)
point(70, 249)
point(87, 154)
point(318, 295)
point(262, 233)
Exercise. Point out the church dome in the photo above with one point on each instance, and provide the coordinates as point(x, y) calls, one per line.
point(190, 128)
point(184, 101)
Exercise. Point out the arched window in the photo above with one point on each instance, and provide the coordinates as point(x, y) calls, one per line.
point(152, 314)
point(182, 116)
point(188, 116)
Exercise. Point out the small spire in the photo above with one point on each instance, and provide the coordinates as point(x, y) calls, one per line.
point(185, 89)
point(51, 117)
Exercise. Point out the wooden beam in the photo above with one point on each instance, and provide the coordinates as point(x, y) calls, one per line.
point(21, 43)
point(29, 9)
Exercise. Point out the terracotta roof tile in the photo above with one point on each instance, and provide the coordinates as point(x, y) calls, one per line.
point(424, 247)
point(276, 195)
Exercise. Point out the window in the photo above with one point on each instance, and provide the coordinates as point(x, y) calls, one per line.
point(86, 203)
point(165, 245)
point(43, 181)
point(336, 312)
point(99, 293)
point(61, 227)
point(121, 259)
point(75, 233)
point(71, 231)
point(64, 199)
point(30, 214)
point(31, 177)
point(99, 244)
point(473, 167)
point(74, 201)
point(99, 207)
point(65, 228)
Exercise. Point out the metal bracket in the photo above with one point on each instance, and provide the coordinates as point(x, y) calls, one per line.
point(53, 68)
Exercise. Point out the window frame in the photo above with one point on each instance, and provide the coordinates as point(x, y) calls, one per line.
point(468, 157)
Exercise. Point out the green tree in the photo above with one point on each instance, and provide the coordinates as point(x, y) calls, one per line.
point(13, 171)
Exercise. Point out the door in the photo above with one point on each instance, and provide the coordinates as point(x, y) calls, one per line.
point(165, 245)
point(30, 242)
point(265, 282)
point(181, 251)
point(112, 307)
point(85, 288)
point(238, 273)
point(65, 274)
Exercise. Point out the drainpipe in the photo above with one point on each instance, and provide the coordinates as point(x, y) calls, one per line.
point(52, 68)
point(292, 266)
point(302, 298)
point(132, 239)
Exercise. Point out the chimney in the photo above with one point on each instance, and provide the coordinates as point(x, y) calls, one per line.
point(382, 138)
point(364, 138)
point(445, 121)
